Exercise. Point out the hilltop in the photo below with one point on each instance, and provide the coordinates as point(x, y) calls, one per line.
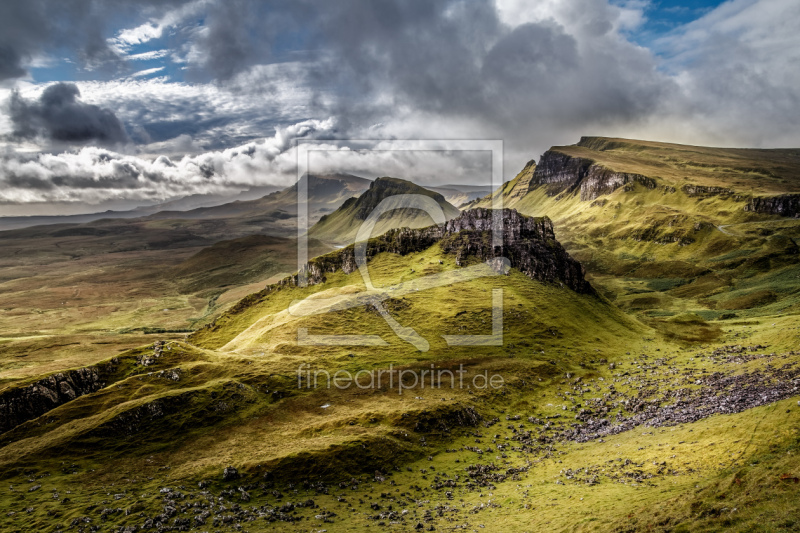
point(665, 229)
point(529, 245)
point(342, 225)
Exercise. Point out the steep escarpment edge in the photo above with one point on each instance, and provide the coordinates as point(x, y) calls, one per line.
point(560, 172)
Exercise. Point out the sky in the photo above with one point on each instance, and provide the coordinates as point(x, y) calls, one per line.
point(113, 105)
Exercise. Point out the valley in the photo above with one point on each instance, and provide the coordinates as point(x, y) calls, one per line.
point(153, 378)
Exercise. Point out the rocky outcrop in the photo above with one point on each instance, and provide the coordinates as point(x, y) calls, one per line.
point(528, 243)
point(701, 190)
point(26, 403)
point(560, 172)
point(785, 205)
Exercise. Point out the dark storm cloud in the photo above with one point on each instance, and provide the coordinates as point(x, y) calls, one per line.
point(428, 53)
point(10, 63)
point(534, 74)
point(60, 116)
point(454, 59)
point(241, 33)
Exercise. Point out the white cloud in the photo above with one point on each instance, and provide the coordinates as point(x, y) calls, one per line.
point(589, 16)
point(154, 29)
point(147, 72)
point(138, 35)
point(94, 175)
point(738, 68)
point(147, 56)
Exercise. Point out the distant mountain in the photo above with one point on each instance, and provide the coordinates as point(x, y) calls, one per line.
point(342, 225)
point(193, 201)
point(326, 193)
point(459, 195)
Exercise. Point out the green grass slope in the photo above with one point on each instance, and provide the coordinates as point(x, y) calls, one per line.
point(745, 170)
point(342, 225)
point(667, 402)
point(152, 447)
point(241, 261)
point(683, 241)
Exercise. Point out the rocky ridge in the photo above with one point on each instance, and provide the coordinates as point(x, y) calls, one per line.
point(19, 405)
point(787, 205)
point(560, 172)
point(528, 243)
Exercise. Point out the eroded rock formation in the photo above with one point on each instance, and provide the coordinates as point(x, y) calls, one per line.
point(19, 405)
point(787, 205)
point(528, 243)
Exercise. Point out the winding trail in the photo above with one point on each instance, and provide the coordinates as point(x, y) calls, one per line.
point(723, 230)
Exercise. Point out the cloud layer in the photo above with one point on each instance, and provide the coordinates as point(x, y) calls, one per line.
point(229, 73)
point(95, 175)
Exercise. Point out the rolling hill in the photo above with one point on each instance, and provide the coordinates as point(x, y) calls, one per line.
point(342, 225)
point(630, 365)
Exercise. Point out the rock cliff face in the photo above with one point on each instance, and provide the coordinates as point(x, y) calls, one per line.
point(560, 172)
point(22, 404)
point(528, 243)
point(787, 205)
point(523, 185)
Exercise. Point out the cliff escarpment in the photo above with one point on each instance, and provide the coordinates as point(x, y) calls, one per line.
point(560, 172)
point(787, 205)
point(22, 404)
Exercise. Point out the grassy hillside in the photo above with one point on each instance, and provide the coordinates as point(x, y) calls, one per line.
point(74, 294)
point(665, 402)
point(231, 395)
point(155, 441)
point(240, 262)
point(72, 298)
point(745, 170)
point(342, 225)
point(673, 247)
